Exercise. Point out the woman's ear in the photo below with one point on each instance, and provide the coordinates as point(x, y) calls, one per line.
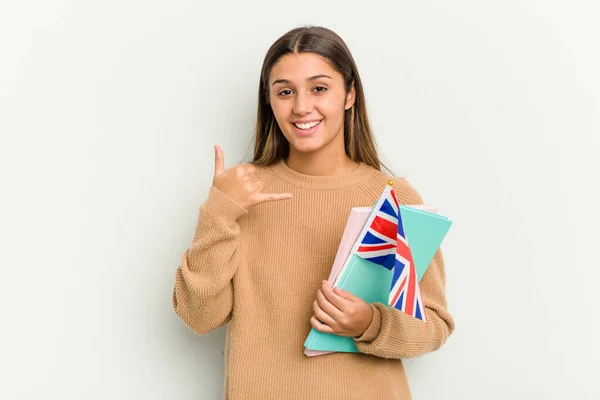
point(350, 97)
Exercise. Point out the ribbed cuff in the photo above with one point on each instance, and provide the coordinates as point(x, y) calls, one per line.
point(219, 204)
point(373, 330)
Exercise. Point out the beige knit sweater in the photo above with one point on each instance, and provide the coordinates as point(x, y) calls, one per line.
point(259, 271)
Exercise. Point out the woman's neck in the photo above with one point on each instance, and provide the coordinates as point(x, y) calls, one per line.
point(320, 163)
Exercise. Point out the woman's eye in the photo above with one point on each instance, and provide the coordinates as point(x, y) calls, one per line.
point(287, 92)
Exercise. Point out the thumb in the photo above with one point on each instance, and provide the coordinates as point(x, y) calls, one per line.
point(219, 161)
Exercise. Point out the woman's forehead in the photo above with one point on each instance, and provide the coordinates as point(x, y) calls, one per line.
point(299, 67)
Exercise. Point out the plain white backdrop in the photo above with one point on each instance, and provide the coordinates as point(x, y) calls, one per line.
point(108, 114)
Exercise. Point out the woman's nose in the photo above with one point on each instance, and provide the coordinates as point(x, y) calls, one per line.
point(302, 104)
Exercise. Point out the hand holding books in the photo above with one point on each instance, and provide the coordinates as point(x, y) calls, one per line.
point(339, 312)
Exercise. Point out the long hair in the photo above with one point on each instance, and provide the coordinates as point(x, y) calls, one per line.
point(270, 146)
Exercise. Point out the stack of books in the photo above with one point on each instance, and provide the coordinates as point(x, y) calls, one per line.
point(383, 254)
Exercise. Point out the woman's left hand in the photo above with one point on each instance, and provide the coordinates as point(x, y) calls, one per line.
point(340, 312)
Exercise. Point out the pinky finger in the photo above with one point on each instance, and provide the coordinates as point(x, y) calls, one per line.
point(273, 196)
point(319, 326)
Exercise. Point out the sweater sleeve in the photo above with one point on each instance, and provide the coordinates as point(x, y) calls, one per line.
point(395, 334)
point(203, 292)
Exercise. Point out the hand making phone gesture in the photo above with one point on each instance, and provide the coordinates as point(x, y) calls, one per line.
point(241, 183)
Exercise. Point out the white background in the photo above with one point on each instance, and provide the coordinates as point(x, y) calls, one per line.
point(108, 114)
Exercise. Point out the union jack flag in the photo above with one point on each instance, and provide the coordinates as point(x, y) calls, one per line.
point(405, 294)
point(377, 241)
point(384, 242)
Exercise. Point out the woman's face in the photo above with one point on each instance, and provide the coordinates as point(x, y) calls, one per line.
point(308, 100)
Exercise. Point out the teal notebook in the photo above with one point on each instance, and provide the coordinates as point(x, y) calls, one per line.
point(425, 232)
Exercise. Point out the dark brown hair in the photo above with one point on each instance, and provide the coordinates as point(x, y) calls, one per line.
point(270, 145)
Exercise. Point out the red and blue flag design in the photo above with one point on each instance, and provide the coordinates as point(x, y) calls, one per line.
point(377, 241)
point(405, 294)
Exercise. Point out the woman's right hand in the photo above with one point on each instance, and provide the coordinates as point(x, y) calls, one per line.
point(241, 183)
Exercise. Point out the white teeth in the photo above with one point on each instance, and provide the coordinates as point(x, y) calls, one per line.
point(309, 125)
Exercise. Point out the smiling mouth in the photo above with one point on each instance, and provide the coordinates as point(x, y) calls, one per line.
point(307, 126)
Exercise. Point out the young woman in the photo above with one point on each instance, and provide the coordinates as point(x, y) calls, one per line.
point(268, 233)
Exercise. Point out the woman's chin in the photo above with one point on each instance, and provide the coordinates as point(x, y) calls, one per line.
point(306, 145)
point(305, 148)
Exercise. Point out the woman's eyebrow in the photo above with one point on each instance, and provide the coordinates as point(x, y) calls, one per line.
point(312, 78)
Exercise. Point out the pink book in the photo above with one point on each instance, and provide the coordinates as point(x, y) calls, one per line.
point(355, 223)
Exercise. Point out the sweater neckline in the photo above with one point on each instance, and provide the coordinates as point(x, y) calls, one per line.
point(314, 182)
